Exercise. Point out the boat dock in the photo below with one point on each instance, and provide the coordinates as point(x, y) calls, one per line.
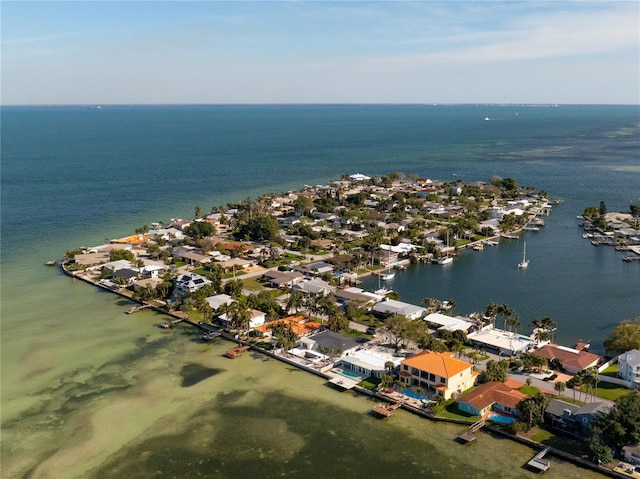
point(135, 309)
point(470, 434)
point(170, 324)
point(211, 335)
point(537, 462)
point(385, 410)
point(235, 352)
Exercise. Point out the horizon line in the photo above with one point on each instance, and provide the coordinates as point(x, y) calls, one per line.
point(98, 105)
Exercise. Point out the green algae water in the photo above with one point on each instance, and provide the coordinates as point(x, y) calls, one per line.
point(163, 404)
point(91, 392)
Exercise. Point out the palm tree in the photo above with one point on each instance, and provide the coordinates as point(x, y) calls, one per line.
point(492, 312)
point(389, 365)
point(506, 312)
point(337, 321)
point(559, 387)
point(543, 328)
point(240, 317)
point(451, 305)
point(431, 304)
point(295, 301)
point(515, 322)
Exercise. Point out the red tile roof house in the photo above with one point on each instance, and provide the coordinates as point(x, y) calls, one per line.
point(493, 395)
point(571, 360)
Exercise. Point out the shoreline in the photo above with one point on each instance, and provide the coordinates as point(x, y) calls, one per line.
point(403, 403)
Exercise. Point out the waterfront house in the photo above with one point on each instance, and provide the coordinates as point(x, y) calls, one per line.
point(316, 269)
point(153, 270)
point(329, 342)
point(190, 283)
point(571, 418)
point(370, 361)
point(499, 341)
point(300, 326)
point(570, 360)
point(493, 395)
point(314, 287)
point(127, 275)
point(392, 307)
point(256, 319)
point(356, 296)
point(218, 300)
point(629, 367)
point(438, 373)
point(443, 322)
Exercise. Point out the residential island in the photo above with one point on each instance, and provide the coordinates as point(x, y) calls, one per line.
point(282, 274)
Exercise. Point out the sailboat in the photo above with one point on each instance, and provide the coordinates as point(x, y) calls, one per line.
point(525, 262)
point(390, 274)
point(446, 259)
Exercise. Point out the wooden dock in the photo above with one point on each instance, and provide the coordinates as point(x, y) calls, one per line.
point(470, 434)
point(138, 308)
point(538, 463)
point(385, 410)
point(171, 323)
point(235, 352)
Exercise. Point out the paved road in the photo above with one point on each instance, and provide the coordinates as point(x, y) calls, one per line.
point(543, 385)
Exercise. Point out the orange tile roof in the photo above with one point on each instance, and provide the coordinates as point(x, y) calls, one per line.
point(485, 395)
point(441, 364)
point(298, 324)
point(133, 239)
point(580, 360)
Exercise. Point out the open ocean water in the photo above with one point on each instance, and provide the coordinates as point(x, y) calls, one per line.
point(88, 391)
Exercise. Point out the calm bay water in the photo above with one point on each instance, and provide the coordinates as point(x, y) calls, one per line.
point(90, 392)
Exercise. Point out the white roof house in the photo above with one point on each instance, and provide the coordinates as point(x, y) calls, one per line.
point(500, 341)
point(443, 322)
point(218, 300)
point(370, 361)
point(257, 318)
point(629, 366)
point(398, 308)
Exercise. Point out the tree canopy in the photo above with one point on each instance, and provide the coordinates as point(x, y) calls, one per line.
point(625, 337)
point(259, 228)
point(531, 409)
point(200, 229)
point(495, 371)
point(618, 428)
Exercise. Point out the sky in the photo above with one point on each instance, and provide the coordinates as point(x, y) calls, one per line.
point(216, 52)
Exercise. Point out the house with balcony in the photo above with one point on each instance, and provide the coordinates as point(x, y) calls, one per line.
point(190, 283)
point(629, 367)
point(437, 373)
point(572, 419)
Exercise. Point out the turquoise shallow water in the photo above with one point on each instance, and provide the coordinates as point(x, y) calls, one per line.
point(88, 391)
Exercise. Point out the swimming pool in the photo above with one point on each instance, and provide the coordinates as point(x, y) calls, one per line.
point(413, 394)
point(501, 419)
point(348, 374)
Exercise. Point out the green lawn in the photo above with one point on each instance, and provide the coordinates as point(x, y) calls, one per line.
point(563, 443)
point(611, 371)
point(611, 391)
point(252, 284)
point(529, 390)
point(452, 411)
